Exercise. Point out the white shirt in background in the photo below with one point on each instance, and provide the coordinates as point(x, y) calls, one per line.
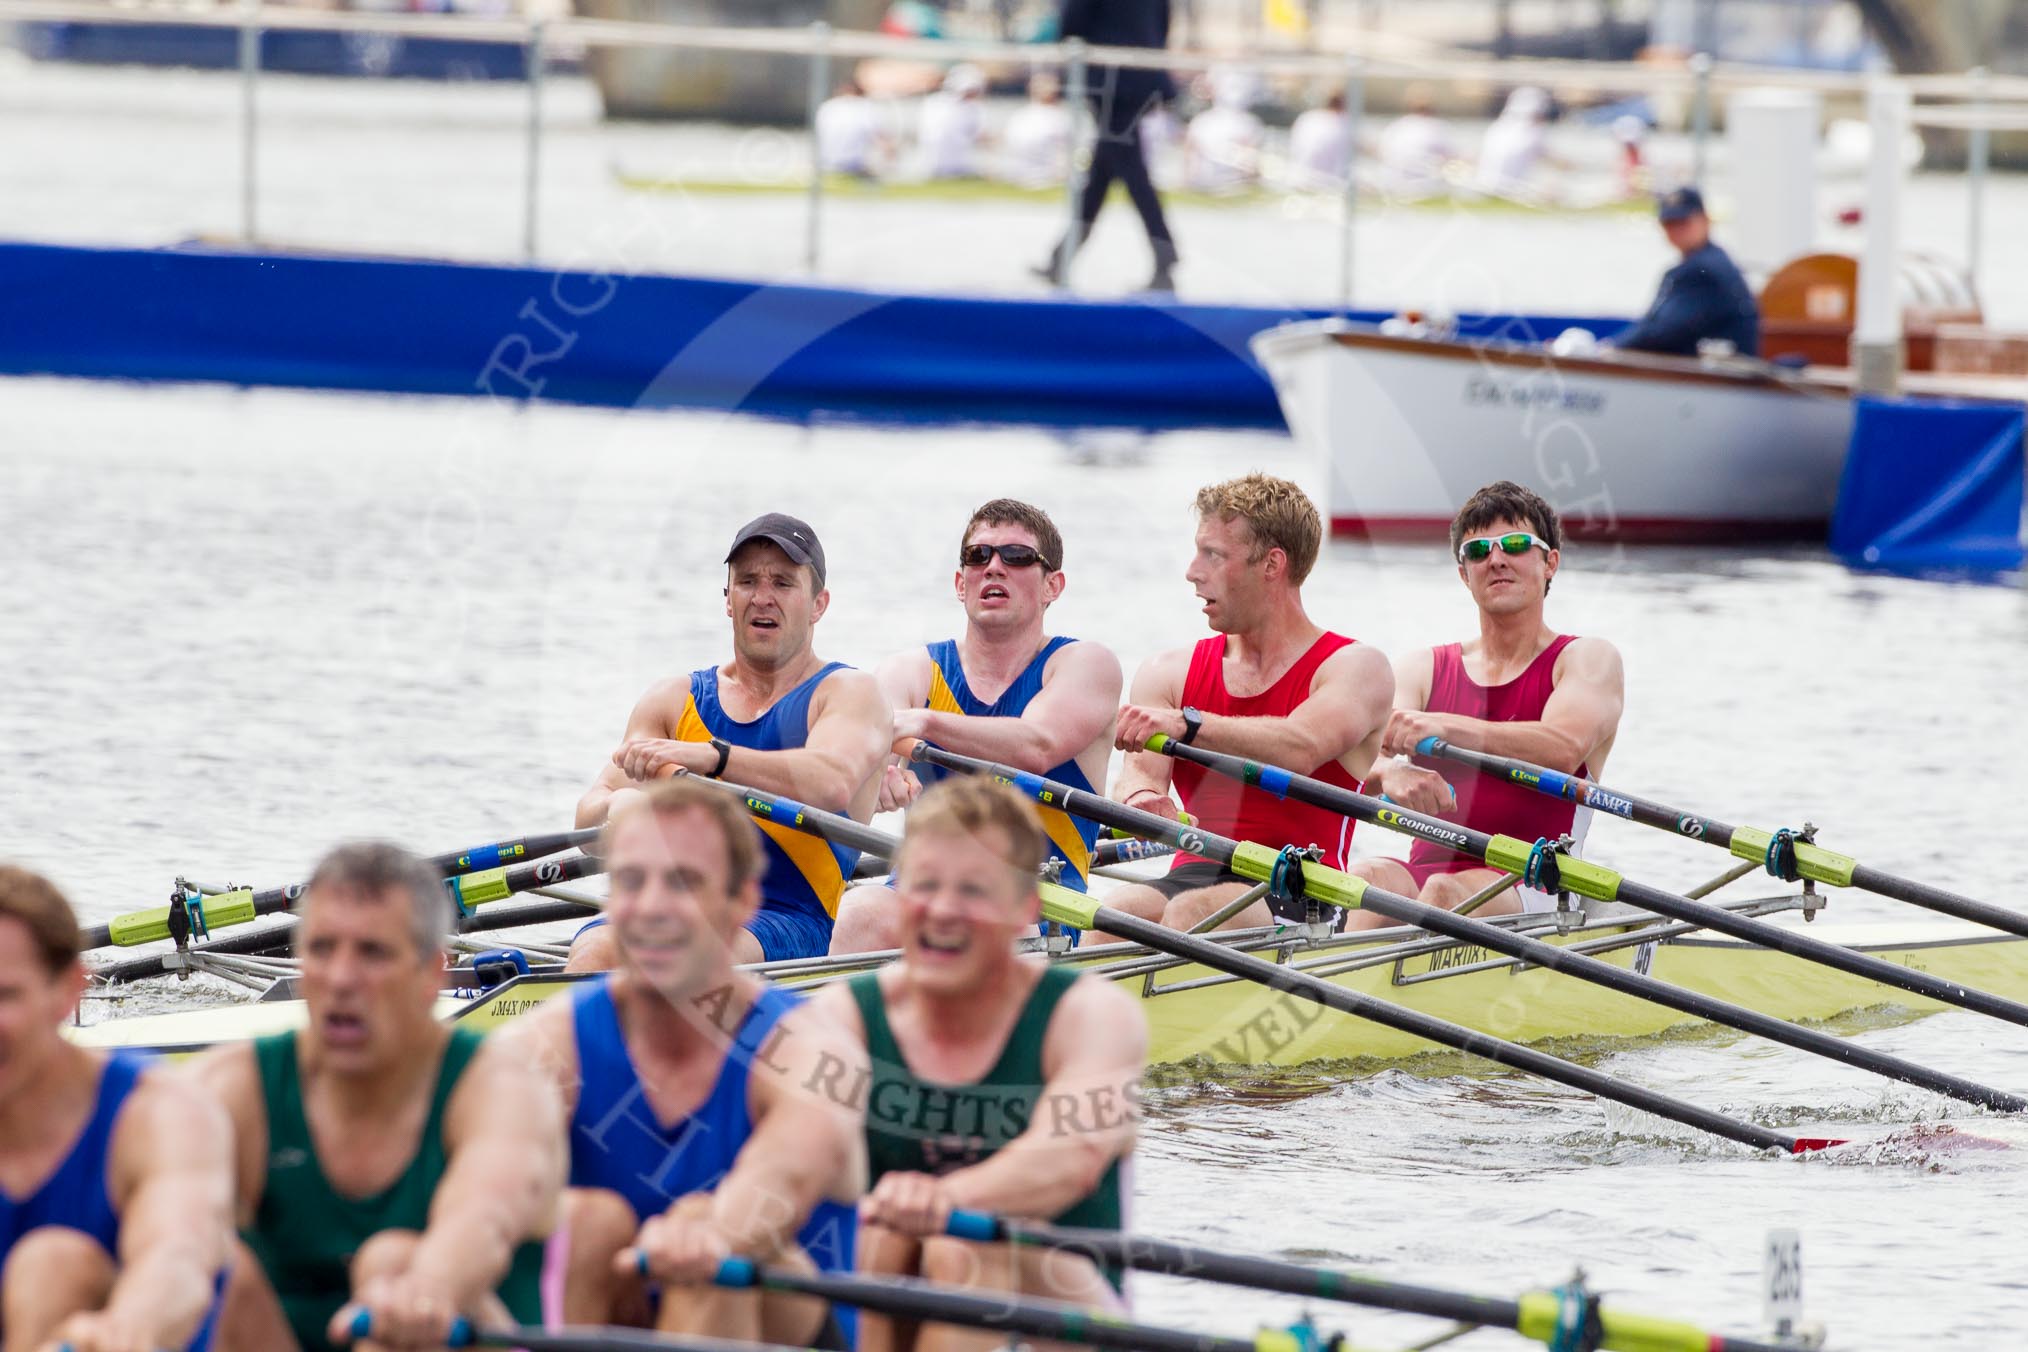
point(1320, 149)
point(1224, 146)
point(848, 129)
point(1413, 151)
point(947, 134)
point(1036, 144)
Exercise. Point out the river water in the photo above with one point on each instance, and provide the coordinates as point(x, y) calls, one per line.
point(240, 625)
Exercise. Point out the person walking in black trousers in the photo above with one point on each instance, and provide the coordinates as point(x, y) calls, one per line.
point(1119, 99)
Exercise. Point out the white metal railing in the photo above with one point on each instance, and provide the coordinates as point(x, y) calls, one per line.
point(1976, 101)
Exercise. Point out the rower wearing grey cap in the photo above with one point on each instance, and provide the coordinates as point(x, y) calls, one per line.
point(778, 718)
point(1702, 297)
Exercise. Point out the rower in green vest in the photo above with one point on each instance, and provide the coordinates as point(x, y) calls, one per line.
point(386, 1164)
point(998, 1083)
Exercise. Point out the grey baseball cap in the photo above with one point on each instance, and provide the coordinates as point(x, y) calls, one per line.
point(791, 535)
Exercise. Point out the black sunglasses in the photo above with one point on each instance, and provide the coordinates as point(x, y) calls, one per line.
point(1014, 556)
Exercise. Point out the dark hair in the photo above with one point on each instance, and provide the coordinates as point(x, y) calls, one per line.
point(34, 901)
point(1505, 500)
point(372, 868)
point(1012, 512)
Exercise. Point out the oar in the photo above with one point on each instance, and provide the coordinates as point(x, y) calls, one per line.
point(1552, 871)
point(276, 938)
point(587, 1338)
point(909, 1298)
point(474, 877)
point(1338, 888)
point(1541, 1315)
point(1081, 912)
point(1745, 842)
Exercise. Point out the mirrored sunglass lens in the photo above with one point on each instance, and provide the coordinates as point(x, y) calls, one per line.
point(1517, 543)
point(975, 556)
point(1478, 549)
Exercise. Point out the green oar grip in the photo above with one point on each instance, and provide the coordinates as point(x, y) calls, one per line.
point(1541, 1314)
point(145, 927)
point(1066, 907)
point(1574, 874)
point(1812, 861)
point(474, 890)
point(1332, 887)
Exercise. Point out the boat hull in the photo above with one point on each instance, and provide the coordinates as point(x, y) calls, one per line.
point(1629, 447)
point(1195, 1014)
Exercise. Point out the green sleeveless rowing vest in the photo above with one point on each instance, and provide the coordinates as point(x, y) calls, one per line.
point(305, 1233)
point(915, 1125)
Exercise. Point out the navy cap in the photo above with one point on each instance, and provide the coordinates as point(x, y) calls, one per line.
point(1680, 204)
point(792, 535)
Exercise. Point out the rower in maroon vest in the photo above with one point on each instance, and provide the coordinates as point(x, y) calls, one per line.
point(1519, 689)
point(1269, 685)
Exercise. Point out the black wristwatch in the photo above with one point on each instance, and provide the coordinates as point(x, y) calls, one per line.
point(1192, 721)
point(724, 750)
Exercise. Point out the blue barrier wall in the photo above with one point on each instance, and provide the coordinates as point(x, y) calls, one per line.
point(421, 327)
point(1932, 484)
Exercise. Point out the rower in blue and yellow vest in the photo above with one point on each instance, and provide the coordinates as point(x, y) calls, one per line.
point(1005, 691)
point(776, 718)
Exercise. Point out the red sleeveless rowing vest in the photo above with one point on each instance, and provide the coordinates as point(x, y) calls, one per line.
point(1229, 808)
point(1484, 802)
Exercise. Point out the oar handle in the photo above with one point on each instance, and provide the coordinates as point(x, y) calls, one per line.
point(462, 1334)
point(981, 1227)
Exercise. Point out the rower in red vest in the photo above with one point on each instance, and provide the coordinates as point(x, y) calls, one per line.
point(1519, 689)
point(1269, 685)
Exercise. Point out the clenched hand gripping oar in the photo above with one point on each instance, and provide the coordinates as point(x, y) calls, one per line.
point(1082, 912)
point(474, 877)
point(1553, 871)
point(1787, 857)
point(1315, 792)
point(1541, 1315)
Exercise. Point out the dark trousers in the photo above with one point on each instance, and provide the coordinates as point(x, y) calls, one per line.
point(1116, 154)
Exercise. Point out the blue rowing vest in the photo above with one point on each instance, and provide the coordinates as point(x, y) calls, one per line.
point(803, 873)
point(1071, 839)
point(75, 1196)
point(616, 1142)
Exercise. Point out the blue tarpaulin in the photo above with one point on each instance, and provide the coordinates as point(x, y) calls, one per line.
point(1932, 484)
point(587, 337)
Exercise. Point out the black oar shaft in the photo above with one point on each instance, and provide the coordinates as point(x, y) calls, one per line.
point(1300, 985)
point(906, 1298)
point(1315, 792)
point(1813, 861)
point(1621, 1332)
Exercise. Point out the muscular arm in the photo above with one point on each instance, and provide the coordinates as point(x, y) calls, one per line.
point(503, 1132)
point(807, 1144)
point(172, 1180)
point(654, 715)
point(1580, 717)
point(1086, 1117)
point(850, 729)
point(1157, 685)
point(1348, 705)
point(1080, 695)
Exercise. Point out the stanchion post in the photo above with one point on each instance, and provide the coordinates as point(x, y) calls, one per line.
point(1978, 154)
point(532, 188)
point(1355, 109)
point(1700, 116)
point(820, 89)
point(1076, 83)
point(249, 131)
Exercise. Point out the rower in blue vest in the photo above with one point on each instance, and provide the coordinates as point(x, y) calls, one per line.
point(695, 1132)
point(1005, 692)
point(1702, 297)
point(776, 718)
point(115, 1177)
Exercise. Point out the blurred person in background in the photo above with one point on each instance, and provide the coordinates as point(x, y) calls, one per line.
point(952, 123)
point(1320, 147)
point(1515, 144)
point(1417, 147)
point(1036, 143)
point(1221, 151)
point(1703, 298)
point(850, 139)
point(1120, 98)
